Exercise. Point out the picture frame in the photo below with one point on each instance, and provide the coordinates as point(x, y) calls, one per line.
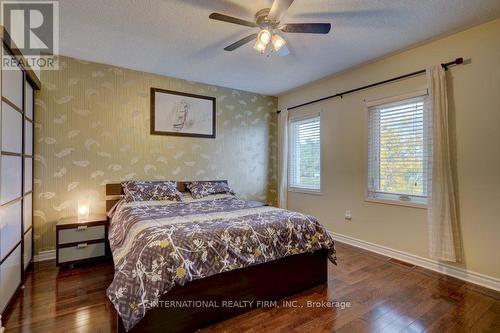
point(182, 114)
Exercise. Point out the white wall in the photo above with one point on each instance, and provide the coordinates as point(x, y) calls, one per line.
point(474, 93)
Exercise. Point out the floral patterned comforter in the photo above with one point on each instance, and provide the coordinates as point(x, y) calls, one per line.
point(157, 245)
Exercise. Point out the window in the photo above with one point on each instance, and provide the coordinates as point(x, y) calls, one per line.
point(399, 150)
point(304, 168)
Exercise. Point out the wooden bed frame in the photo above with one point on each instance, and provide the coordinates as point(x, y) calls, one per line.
point(253, 286)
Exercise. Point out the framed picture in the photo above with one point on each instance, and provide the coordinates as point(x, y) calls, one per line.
point(182, 114)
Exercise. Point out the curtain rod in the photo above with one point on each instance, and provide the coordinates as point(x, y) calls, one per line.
point(341, 94)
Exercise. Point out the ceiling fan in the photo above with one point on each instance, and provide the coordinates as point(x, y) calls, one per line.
point(268, 21)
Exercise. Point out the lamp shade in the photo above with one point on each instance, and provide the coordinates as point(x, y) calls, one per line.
point(264, 36)
point(278, 42)
point(260, 47)
point(83, 210)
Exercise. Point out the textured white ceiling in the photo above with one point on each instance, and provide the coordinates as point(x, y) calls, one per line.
point(176, 38)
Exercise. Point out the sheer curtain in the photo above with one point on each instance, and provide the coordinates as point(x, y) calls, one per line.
point(442, 206)
point(282, 158)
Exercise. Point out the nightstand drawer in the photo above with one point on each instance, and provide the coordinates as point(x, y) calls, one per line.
point(80, 252)
point(81, 233)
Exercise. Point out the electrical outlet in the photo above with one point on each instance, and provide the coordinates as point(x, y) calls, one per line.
point(348, 215)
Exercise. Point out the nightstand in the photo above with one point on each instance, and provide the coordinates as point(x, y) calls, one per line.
point(81, 240)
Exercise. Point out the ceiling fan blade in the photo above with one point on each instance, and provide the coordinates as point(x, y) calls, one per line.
point(278, 9)
point(307, 28)
point(241, 42)
point(230, 19)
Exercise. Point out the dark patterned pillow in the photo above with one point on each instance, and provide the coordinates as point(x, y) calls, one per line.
point(151, 191)
point(202, 189)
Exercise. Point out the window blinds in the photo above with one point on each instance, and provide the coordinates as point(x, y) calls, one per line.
point(304, 168)
point(399, 150)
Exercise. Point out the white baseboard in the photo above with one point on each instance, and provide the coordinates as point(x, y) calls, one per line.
point(45, 255)
point(433, 265)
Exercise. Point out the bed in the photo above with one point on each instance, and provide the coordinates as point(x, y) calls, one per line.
point(181, 266)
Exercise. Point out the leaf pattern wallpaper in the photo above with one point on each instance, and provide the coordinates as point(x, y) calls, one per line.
point(92, 127)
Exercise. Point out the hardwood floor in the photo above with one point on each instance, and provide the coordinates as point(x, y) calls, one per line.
point(378, 296)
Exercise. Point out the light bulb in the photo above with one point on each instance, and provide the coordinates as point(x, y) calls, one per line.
point(83, 210)
point(264, 36)
point(260, 47)
point(278, 42)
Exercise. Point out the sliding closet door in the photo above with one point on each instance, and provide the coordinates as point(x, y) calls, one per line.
point(28, 174)
point(11, 183)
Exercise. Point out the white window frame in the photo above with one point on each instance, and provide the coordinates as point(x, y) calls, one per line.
point(297, 189)
point(400, 199)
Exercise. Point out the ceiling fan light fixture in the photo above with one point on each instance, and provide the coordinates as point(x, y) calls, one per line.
point(264, 36)
point(278, 42)
point(270, 29)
